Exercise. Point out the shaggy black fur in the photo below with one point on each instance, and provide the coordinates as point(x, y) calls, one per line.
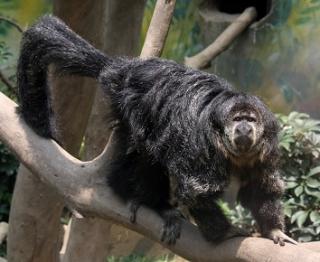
point(172, 121)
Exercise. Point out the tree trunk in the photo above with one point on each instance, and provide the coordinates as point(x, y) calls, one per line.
point(34, 229)
point(122, 33)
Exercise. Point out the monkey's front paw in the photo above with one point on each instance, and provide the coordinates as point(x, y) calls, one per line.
point(172, 226)
point(237, 232)
point(280, 238)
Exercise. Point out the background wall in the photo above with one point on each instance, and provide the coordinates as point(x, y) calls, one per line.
point(279, 56)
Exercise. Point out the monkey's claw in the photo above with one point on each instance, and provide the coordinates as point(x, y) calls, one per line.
point(280, 238)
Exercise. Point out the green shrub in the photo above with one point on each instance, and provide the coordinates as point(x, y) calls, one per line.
point(300, 151)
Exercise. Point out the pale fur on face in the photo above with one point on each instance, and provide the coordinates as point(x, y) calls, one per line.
point(256, 136)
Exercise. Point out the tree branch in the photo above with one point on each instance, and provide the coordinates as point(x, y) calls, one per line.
point(14, 24)
point(158, 28)
point(202, 59)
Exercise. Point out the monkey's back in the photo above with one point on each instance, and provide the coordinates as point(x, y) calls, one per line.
point(165, 106)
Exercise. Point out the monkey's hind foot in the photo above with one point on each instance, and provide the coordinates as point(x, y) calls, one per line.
point(172, 226)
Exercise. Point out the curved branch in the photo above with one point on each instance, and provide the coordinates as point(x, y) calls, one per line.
point(12, 23)
point(202, 59)
point(82, 186)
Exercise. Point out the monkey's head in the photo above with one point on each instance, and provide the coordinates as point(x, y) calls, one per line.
point(248, 127)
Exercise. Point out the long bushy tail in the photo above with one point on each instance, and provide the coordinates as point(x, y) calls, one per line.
point(50, 41)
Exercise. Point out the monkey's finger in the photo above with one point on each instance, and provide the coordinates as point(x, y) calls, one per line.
point(290, 240)
point(276, 239)
point(287, 239)
point(281, 242)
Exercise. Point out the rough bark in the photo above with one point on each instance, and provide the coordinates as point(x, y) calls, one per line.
point(34, 223)
point(34, 232)
point(121, 33)
point(82, 186)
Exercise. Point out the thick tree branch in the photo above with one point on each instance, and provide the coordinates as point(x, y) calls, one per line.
point(202, 59)
point(82, 185)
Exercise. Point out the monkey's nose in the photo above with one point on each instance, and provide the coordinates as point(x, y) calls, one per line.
point(243, 130)
point(243, 137)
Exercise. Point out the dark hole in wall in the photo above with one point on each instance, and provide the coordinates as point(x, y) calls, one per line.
point(238, 6)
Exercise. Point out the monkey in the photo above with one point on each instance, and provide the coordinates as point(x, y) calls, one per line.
point(184, 133)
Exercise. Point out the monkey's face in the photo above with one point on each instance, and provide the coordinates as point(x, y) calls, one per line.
point(243, 128)
point(243, 131)
point(247, 129)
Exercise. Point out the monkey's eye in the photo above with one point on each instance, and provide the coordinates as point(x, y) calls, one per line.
point(251, 119)
point(237, 119)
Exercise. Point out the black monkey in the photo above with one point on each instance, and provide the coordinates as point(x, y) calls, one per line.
point(185, 133)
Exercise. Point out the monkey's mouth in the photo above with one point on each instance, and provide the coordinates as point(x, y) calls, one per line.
point(243, 144)
point(238, 146)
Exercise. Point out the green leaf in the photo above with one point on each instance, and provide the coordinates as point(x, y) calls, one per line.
point(296, 215)
point(302, 218)
point(298, 190)
point(313, 183)
point(314, 171)
point(291, 184)
point(314, 193)
point(287, 211)
point(285, 145)
point(315, 216)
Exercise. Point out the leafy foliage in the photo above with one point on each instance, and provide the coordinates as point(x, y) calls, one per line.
point(239, 216)
point(300, 147)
